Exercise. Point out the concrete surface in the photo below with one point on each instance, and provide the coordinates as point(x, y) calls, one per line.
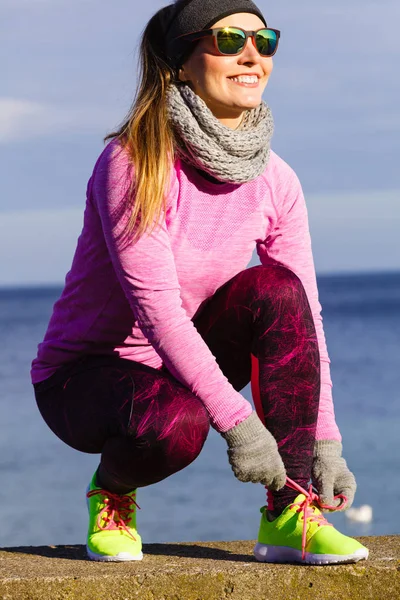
point(195, 571)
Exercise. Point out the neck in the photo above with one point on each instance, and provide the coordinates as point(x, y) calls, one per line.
point(220, 112)
point(210, 144)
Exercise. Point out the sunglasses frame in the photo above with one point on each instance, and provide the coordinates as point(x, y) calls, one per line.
point(197, 35)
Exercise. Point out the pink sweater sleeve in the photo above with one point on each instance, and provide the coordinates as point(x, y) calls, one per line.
point(289, 244)
point(146, 271)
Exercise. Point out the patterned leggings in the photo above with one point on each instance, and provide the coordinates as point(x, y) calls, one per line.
point(147, 425)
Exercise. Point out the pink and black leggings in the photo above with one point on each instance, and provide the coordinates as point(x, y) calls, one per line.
point(147, 425)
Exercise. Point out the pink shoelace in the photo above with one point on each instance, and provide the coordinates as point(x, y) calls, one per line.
point(116, 511)
point(308, 513)
point(118, 508)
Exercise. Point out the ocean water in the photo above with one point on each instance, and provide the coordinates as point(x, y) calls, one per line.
point(43, 481)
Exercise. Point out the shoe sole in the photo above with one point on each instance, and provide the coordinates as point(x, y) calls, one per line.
point(284, 554)
point(120, 557)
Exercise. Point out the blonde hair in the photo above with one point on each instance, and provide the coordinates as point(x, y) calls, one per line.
point(147, 134)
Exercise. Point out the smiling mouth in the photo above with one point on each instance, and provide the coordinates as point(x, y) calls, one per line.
point(250, 84)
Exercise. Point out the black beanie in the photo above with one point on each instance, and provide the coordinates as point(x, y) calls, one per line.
point(186, 16)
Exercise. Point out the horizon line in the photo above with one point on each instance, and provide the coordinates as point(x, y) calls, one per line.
point(57, 285)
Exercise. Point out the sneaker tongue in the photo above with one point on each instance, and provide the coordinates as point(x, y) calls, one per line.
point(301, 498)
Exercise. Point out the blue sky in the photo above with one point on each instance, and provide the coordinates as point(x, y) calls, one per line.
point(70, 79)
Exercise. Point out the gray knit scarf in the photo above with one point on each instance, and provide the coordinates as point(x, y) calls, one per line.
point(231, 155)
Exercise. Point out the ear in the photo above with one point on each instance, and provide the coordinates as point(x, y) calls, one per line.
point(181, 74)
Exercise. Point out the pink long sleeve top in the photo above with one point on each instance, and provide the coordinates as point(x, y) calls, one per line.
point(137, 300)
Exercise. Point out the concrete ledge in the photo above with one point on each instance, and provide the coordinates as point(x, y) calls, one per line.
point(195, 571)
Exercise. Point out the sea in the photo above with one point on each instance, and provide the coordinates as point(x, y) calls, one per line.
point(43, 481)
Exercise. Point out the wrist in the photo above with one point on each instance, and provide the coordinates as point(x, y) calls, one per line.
point(244, 432)
point(326, 448)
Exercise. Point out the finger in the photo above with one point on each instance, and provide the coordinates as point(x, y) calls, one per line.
point(240, 473)
point(263, 478)
point(275, 483)
point(278, 482)
point(325, 490)
point(242, 476)
point(346, 485)
point(349, 492)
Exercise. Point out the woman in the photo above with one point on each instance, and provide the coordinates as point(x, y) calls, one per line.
point(160, 324)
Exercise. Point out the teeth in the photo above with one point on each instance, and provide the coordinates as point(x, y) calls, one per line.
point(245, 79)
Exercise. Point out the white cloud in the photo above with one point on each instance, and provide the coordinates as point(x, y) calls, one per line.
point(21, 119)
point(17, 115)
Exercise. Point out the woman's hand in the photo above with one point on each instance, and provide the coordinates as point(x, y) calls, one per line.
point(330, 473)
point(253, 454)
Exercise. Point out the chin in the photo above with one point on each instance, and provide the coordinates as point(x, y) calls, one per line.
point(250, 104)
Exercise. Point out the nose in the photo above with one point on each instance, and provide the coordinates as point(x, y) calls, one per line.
point(250, 51)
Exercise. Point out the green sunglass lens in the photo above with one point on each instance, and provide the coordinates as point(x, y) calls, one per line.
point(266, 42)
point(230, 40)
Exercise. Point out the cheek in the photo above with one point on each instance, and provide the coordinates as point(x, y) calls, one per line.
point(217, 66)
point(268, 66)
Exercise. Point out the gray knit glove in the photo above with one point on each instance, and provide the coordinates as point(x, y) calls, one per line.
point(330, 473)
point(253, 454)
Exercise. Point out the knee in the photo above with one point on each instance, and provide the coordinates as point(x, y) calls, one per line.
point(276, 273)
point(177, 428)
point(276, 281)
point(170, 437)
point(185, 431)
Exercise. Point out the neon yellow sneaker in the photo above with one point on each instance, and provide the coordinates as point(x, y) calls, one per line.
point(112, 534)
point(302, 534)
